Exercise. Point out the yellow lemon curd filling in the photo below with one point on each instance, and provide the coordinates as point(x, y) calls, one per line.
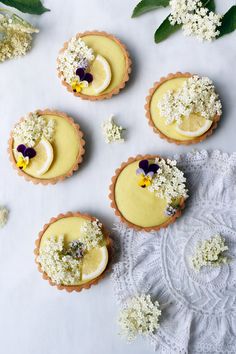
point(138, 205)
point(115, 56)
point(70, 228)
point(160, 121)
point(66, 148)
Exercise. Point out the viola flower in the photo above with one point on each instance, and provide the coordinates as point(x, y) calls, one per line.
point(147, 172)
point(76, 249)
point(77, 86)
point(170, 210)
point(83, 63)
point(25, 154)
point(83, 75)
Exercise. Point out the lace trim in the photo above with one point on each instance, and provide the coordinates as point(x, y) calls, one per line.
point(199, 311)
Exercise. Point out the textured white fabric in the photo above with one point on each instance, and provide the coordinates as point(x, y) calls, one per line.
point(198, 309)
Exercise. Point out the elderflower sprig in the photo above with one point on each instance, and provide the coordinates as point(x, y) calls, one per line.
point(139, 316)
point(111, 131)
point(197, 95)
point(91, 234)
point(195, 19)
point(4, 213)
point(61, 267)
point(210, 253)
point(169, 182)
point(77, 54)
point(15, 35)
point(33, 128)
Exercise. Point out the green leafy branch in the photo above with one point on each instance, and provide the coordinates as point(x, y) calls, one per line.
point(166, 29)
point(28, 6)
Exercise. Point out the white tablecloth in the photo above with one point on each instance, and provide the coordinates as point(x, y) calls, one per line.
point(34, 317)
point(198, 308)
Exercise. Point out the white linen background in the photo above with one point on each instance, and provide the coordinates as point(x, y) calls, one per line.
point(35, 317)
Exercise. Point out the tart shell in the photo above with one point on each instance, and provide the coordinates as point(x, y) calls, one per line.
point(70, 288)
point(118, 213)
point(54, 180)
point(117, 89)
point(162, 135)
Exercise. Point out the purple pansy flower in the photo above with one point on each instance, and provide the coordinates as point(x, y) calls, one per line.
point(146, 169)
point(83, 75)
point(26, 151)
point(147, 172)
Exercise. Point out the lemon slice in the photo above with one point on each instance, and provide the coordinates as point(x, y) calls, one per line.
point(94, 263)
point(193, 126)
point(101, 71)
point(41, 163)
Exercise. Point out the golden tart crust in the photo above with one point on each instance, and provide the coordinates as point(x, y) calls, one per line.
point(116, 90)
point(156, 130)
point(70, 288)
point(69, 173)
point(117, 211)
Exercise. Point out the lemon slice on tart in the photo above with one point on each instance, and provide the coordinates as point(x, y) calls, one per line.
point(94, 263)
point(193, 126)
point(101, 71)
point(41, 163)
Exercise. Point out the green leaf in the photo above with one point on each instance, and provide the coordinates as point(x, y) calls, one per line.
point(210, 4)
point(228, 22)
point(165, 30)
point(148, 5)
point(28, 6)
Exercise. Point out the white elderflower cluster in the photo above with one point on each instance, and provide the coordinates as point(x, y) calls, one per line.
point(4, 213)
point(195, 19)
point(169, 181)
point(210, 253)
point(33, 128)
point(140, 316)
point(15, 37)
point(111, 131)
point(91, 234)
point(197, 95)
point(76, 55)
point(62, 268)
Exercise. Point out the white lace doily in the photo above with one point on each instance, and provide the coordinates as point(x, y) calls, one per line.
point(198, 309)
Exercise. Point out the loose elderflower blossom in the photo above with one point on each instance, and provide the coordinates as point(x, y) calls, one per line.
point(196, 20)
point(76, 55)
point(197, 95)
point(169, 181)
point(32, 129)
point(91, 234)
point(111, 131)
point(210, 253)
point(140, 316)
point(61, 267)
point(4, 212)
point(15, 36)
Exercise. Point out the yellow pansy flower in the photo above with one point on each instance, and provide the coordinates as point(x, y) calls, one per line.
point(145, 181)
point(77, 86)
point(22, 162)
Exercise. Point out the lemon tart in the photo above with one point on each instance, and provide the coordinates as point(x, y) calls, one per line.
point(183, 108)
point(94, 65)
point(46, 146)
point(73, 251)
point(148, 192)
